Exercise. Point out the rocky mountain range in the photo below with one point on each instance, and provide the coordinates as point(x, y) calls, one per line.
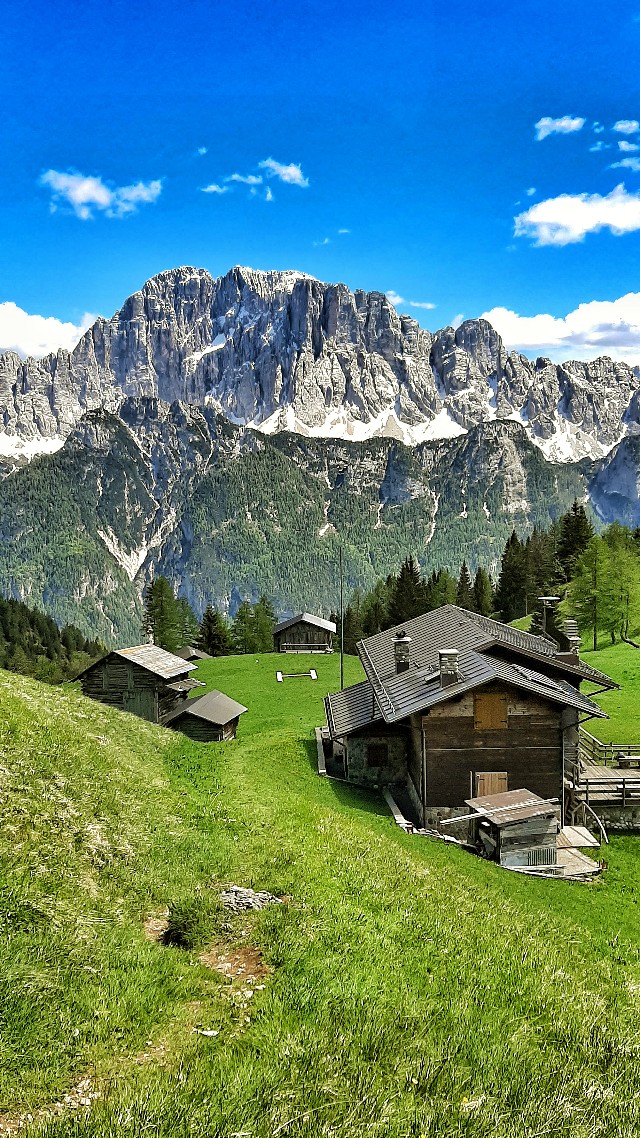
point(231, 433)
point(282, 351)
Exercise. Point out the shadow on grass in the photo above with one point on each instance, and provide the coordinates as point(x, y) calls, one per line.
point(353, 797)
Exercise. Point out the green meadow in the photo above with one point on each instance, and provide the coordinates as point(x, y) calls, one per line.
point(406, 988)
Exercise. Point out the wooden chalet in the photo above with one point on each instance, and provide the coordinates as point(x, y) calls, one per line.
point(458, 706)
point(208, 718)
point(304, 633)
point(144, 679)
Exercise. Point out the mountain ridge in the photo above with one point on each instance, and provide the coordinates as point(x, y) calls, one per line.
point(283, 351)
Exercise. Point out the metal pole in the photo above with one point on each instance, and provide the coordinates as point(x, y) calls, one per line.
point(341, 627)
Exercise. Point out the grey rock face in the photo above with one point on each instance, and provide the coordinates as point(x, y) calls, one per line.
point(281, 350)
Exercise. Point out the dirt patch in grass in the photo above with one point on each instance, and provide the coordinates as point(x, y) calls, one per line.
point(80, 1097)
point(155, 925)
point(244, 964)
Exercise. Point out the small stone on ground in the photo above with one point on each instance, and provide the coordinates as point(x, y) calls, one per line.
point(237, 899)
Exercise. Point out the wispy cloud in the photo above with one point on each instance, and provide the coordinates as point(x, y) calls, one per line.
point(342, 231)
point(245, 179)
point(530, 192)
point(598, 128)
point(86, 194)
point(593, 329)
point(268, 195)
point(325, 241)
point(36, 336)
point(627, 164)
point(214, 188)
point(599, 145)
point(291, 173)
point(397, 300)
point(567, 219)
point(202, 150)
point(627, 126)
point(623, 144)
point(565, 125)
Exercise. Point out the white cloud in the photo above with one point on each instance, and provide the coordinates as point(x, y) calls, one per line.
point(393, 297)
point(627, 126)
point(599, 145)
point(87, 194)
point(245, 179)
point(325, 241)
point(37, 335)
point(202, 150)
point(629, 147)
point(268, 196)
point(596, 328)
point(568, 218)
point(565, 125)
point(291, 173)
point(627, 164)
point(214, 188)
point(530, 192)
point(457, 320)
point(421, 304)
point(598, 128)
point(341, 231)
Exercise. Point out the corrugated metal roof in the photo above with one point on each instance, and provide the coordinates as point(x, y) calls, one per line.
point(308, 618)
point(351, 709)
point(156, 660)
point(452, 627)
point(214, 706)
point(511, 806)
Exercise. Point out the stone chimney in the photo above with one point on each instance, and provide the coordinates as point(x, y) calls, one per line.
point(401, 644)
point(449, 673)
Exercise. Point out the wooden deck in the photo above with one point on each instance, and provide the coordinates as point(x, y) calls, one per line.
point(614, 786)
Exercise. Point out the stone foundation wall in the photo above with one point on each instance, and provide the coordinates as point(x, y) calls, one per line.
point(433, 816)
point(392, 773)
point(617, 819)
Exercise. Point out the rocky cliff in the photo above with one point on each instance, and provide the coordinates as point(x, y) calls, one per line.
point(282, 351)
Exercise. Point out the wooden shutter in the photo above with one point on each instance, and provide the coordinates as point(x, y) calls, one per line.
point(490, 711)
point(489, 782)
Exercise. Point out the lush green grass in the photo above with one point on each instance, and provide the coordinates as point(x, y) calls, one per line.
point(415, 989)
point(622, 663)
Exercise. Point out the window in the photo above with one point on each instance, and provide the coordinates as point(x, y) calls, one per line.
point(377, 754)
point(490, 711)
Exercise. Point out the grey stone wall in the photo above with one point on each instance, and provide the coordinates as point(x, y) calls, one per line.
point(617, 819)
point(433, 816)
point(392, 773)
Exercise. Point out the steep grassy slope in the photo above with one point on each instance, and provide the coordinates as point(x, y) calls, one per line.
point(414, 989)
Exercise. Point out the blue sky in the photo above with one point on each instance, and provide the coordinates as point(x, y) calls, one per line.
point(450, 155)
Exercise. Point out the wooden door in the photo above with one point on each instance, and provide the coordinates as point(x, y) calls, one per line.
point(489, 782)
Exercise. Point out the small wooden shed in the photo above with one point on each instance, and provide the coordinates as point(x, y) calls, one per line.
point(208, 718)
point(143, 679)
point(192, 654)
point(518, 829)
point(304, 633)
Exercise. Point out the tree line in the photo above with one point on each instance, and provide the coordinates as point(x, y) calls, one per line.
point(32, 644)
point(171, 623)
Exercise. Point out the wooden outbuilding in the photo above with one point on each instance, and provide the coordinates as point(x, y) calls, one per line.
point(456, 705)
point(304, 633)
point(144, 680)
point(208, 718)
point(517, 829)
point(192, 654)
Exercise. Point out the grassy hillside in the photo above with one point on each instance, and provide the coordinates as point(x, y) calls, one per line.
point(411, 989)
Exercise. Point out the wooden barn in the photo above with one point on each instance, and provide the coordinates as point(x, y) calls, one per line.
point(208, 718)
point(192, 654)
point(144, 679)
point(458, 706)
point(304, 633)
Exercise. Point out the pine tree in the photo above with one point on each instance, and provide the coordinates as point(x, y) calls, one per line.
point(188, 627)
point(512, 582)
point(575, 534)
point(591, 590)
point(408, 596)
point(214, 636)
point(243, 629)
point(160, 622)
point(264, 620)
point(464, 591)
point(441, 589)
point(483, 600)
point(352, 629)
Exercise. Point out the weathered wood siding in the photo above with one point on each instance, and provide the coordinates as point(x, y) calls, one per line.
point(302, 637)
point(125, 685)
point(458, 744)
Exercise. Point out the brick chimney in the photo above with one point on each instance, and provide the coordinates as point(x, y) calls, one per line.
point(401, 644)
point(449, 673)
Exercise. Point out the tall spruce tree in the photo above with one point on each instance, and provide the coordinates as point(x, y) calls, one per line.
point(511, 591)
point(160, 622)
point(574, 536)
point(243, 629)
point(188, 627)
point(483, 599)
point(408, 596)
point(214, 636)
point(264, 620)
point(591, 589)
point(464, 590)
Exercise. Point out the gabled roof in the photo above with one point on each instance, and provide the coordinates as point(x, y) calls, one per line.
point(452, 627)
point(214, 707)
point(351, 709)
point(191, 653)
point(151, 658)
point(308, 618)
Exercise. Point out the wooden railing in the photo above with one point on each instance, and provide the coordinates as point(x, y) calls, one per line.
point(609, 754)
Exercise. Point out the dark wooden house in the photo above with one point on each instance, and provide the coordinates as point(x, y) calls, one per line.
point(456, 706)
point(144, 679)
point(304, 633)
point(207, 718)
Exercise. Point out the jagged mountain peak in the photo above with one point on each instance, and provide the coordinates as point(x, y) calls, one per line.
point(280, 350)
